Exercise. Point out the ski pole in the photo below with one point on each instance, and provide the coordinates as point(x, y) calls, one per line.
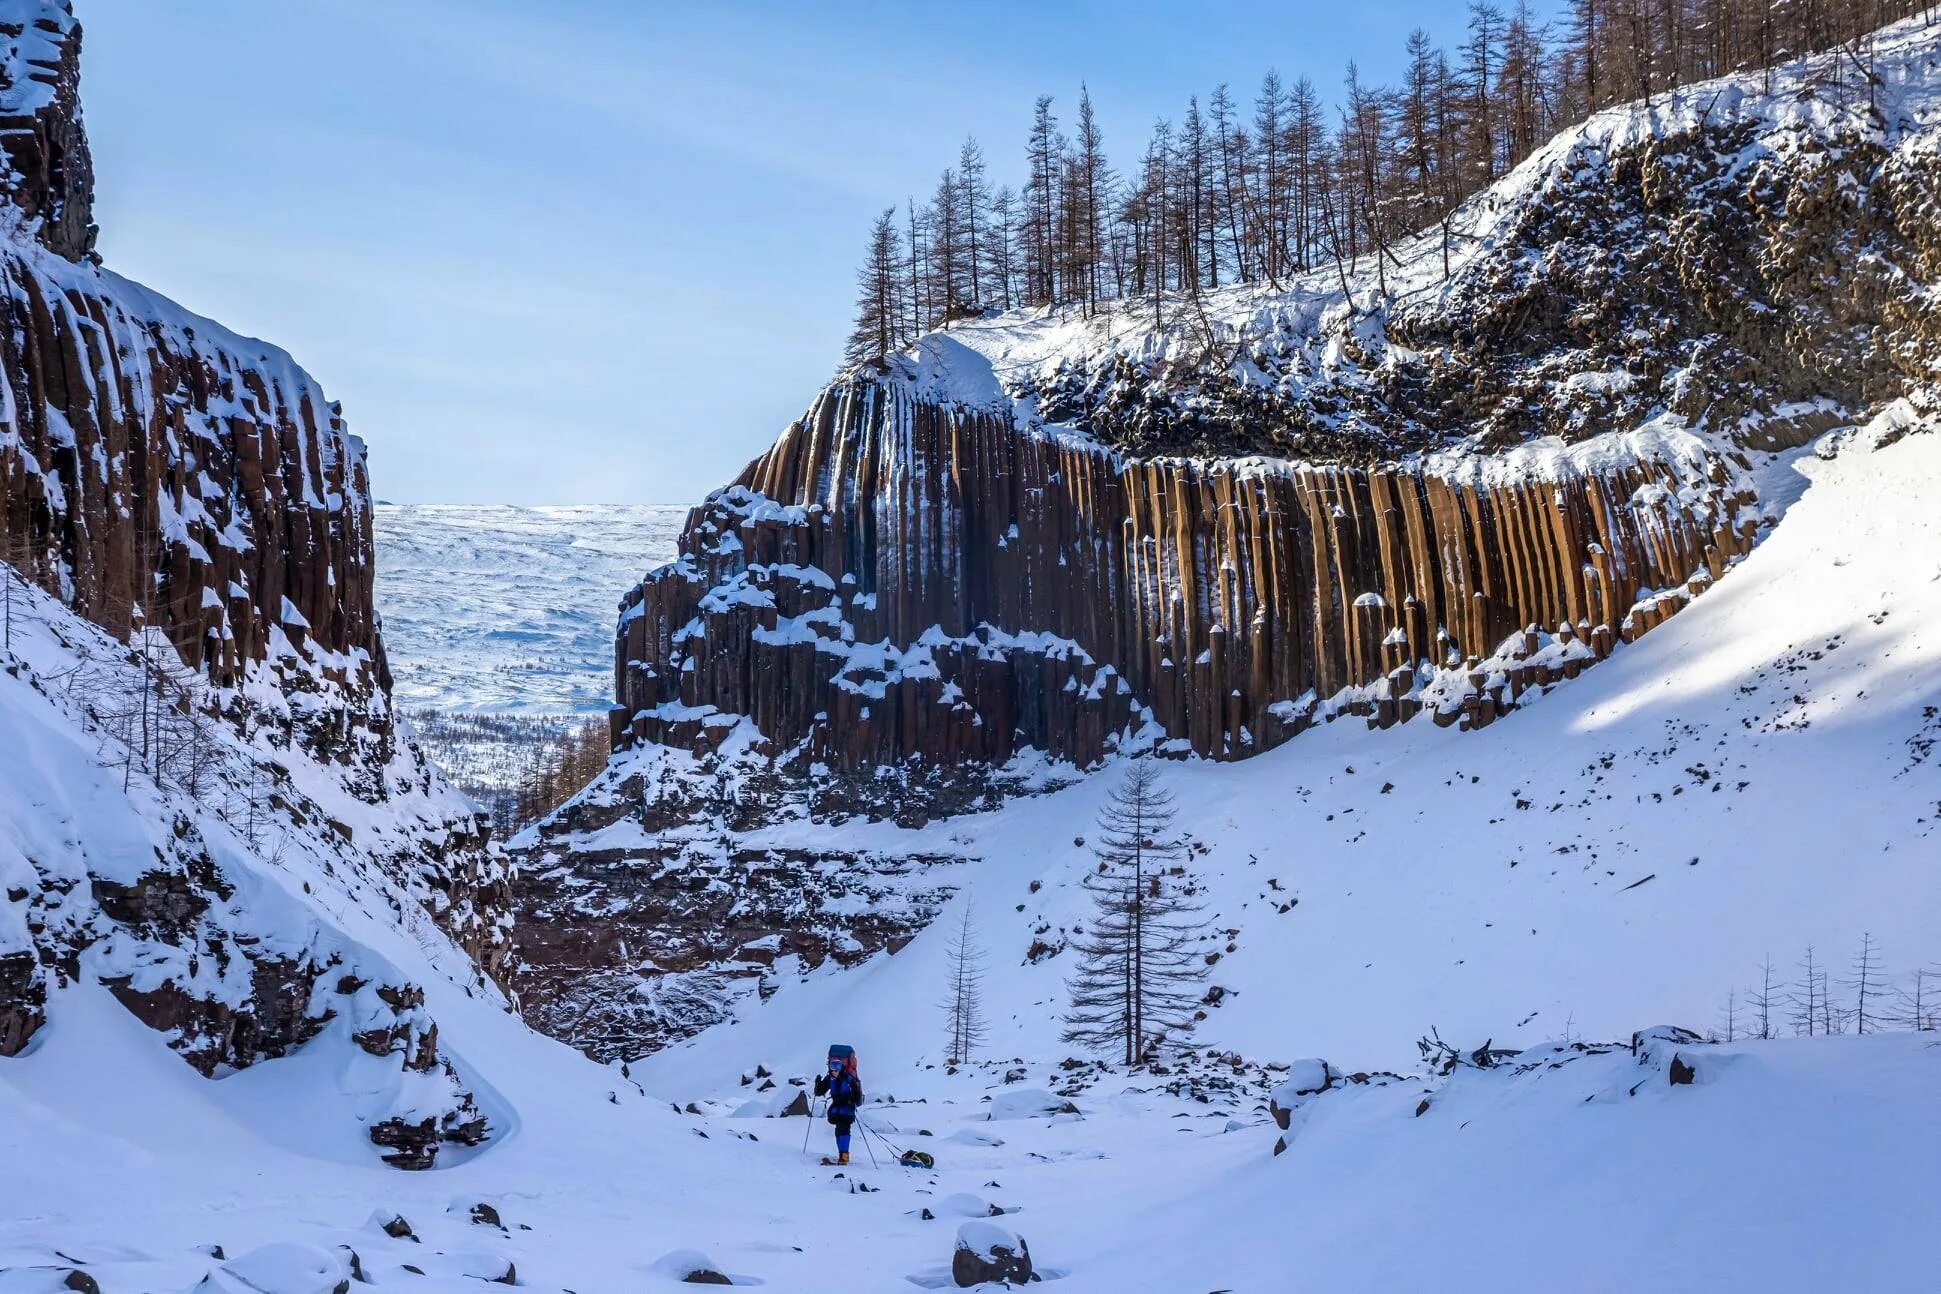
point(886, 1141)
point(867, 1146)
point(808, 1127)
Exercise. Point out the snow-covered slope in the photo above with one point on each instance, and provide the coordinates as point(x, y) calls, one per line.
point(1670, 255)
point(508, 610)
point(1795, 1165)
point(1761, 774)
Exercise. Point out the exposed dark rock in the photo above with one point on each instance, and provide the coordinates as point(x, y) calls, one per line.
point(23, 1001)
point(988, 1253)
point(45, 168)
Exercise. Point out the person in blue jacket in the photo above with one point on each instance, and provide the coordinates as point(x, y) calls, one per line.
point(845, 1092)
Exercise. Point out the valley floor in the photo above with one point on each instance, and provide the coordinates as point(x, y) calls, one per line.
point(1788, 1165)
point(1755, 776)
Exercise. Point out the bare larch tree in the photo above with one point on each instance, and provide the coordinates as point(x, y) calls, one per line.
point(963, 1003)
point(1139, 961)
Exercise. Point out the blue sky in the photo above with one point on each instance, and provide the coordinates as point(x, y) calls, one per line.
point(588, 251)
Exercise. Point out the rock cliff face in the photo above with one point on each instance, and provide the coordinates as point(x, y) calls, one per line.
point(898, 578)
point(1427, 487)
point(194, 495)
point(48, 184)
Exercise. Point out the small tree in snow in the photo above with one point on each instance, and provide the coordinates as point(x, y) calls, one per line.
point(1865, 985)
point(1761, 999)
point(1139, 964)
point(1804, 1002)
point(1918, 1011)
point(1728, 1029)
point(963, 1005)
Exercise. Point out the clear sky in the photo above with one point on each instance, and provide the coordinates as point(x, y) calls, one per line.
point(588, 251)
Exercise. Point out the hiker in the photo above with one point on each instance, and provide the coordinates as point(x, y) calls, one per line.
point(845, 1092)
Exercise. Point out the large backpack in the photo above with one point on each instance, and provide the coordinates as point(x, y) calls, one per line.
point(844, 1086)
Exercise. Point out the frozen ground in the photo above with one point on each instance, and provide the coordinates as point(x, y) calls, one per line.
point(495, 609)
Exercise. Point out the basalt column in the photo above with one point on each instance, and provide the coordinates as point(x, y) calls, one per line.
point(900, 578)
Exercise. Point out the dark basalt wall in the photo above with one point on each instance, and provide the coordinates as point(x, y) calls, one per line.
point(897, 578)
point(46, 171)
point(158, 471)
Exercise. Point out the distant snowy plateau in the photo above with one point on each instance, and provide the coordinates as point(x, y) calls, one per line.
point(494, 609)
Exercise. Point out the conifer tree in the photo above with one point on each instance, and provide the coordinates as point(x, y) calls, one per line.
point(963, 1003)
point(1139, 961)
point(877, 331)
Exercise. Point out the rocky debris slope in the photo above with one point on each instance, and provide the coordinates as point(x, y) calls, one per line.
point(209, 885)
point(185, 526)
point(648, 911)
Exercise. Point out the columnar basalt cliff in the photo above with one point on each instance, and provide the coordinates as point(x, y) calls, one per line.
point(1514, 444)
point(1429, 486)
point(900, 578)
point(154, 465)
point(48, 184)
point(194, 495)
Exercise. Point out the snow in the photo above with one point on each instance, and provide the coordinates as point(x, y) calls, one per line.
point(1757, 774)
point(509, 610)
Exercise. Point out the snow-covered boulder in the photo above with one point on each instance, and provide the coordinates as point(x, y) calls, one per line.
point(1305, 1079)
point(1667, 1048)
point(966, 1205)
point(283, 1268)
point(989, 1252)
point(1029, 1103)
point(691, 1266)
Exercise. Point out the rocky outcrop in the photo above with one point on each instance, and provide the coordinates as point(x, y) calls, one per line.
point(186, 523)
point(902, 579)
point(643, 917)
point(46, 172)
point(159, 471)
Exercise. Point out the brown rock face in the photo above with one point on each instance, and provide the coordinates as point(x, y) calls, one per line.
point(155, 466)
point(162, 473)
point(658, 932)
point(48, 175)
point(899, 579)
point(159, 470)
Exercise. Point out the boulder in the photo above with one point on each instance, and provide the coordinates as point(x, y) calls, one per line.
point(1305, 1079)
point(692, 1267)
point(987, 1252)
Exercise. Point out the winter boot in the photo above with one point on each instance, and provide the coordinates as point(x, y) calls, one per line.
point(842, 1157)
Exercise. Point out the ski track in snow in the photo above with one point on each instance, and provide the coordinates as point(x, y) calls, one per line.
point(498, 609)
